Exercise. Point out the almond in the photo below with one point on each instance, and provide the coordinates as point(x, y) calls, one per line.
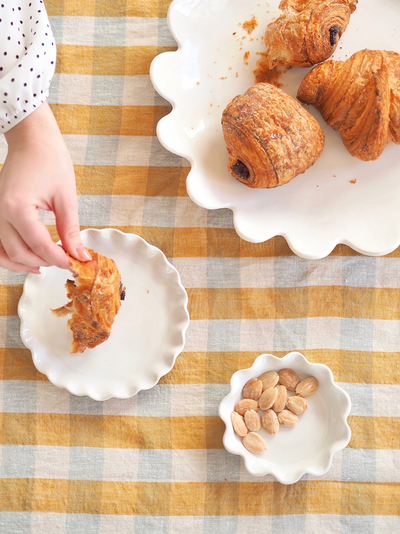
point(254, 443)
point(307, 387)
point(270, 422)
point(297, 404)
point(253, 389)
point(289, 379)
point(252, 420)
point(269, 379)
point(287, 418)
point(280, 401)
point(238, 424)
point(267, 398)
point(246, 404)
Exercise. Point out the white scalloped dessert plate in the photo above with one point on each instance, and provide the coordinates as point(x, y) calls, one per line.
point(147, 335)
point(307, 447)
point(340, 199)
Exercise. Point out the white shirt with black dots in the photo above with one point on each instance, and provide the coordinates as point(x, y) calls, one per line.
point(27, 59)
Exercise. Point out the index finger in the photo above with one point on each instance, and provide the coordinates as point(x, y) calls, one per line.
point(37, 237)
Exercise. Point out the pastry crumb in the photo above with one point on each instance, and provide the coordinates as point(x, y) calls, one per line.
point(353, 181)
point(250, 25)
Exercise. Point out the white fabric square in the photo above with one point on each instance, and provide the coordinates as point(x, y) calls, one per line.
point(78, 31)
point(117, 524)
point(73, 89)
point(187, 400)
point(193, 271)
point(126, 210)
point(257, 272)
point(189, 465)
point(121, 464)
point(189, 215)
point(52, 462)
point(257, 335)
point(50, 523)
point(50, 399)
point(186, 524)
point(254, 524)
point(196, 336)
point(120, 406)
point(329, 524)
point(323, 333)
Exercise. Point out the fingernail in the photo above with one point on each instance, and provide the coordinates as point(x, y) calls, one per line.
point(34, 271)
point(83, 253)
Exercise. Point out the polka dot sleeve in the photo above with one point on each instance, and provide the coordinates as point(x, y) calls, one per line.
point(27, 59)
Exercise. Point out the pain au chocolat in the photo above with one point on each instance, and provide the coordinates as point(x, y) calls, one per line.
point(270, 137)
point(360, 98)
point(95, 297)
point(306, 33)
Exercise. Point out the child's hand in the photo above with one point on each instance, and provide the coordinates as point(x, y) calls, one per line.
point(37, 174)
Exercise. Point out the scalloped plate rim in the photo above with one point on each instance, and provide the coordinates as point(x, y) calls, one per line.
point(301, 251)
point(334, 447)
point(98, 396)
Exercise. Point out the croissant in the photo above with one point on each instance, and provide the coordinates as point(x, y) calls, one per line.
point(360, 98)
point(306, 33)
point(95, 298)
point(270, 137)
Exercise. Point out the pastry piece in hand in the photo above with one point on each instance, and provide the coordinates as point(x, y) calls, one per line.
point(95, 298)
point(270, 137)
point(306, 33)
point(360, 98)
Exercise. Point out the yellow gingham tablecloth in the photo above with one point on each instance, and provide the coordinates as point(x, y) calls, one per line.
point(155, 463)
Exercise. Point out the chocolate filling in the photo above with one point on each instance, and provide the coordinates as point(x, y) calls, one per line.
point(333, 33)
point(241, 170)
point(121, 291)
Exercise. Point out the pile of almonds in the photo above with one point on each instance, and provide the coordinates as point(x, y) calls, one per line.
point(268, 393)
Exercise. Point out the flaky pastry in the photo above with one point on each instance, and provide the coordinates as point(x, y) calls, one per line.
point(306, 33)
point(270, 137)
point(360, 98)
point(95, 298)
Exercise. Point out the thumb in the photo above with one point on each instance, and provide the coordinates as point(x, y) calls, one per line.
point(67, 222)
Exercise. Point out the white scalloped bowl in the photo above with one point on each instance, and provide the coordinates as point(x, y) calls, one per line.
point(338, 200)
point(147, 335)
point(309, 446)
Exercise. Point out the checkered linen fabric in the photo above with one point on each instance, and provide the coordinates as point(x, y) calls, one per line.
point(155, 462)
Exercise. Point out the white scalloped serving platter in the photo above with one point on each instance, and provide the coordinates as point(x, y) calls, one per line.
point(309, 446)
point(147, 335)
point(338, 200)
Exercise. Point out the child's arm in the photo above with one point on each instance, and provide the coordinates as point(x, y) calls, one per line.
point(38, 172)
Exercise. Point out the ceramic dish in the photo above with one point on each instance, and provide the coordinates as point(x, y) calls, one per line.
point(307, 447)
point(146, 337)
point(340, 199)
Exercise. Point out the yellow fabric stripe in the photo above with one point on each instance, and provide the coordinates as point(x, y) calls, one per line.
point(108, 120)
point(218, 367)
point(159, 432)
point(145, 181)
point(199, 242)
point(185, 242)
point(271, 303)
point(107, 60)
point(9, 297)
point(198, 498)
point(130, 180)
point(105, 8)
point(288, 303)
point(346, 366)
point(111, 431)
point(16, 364)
